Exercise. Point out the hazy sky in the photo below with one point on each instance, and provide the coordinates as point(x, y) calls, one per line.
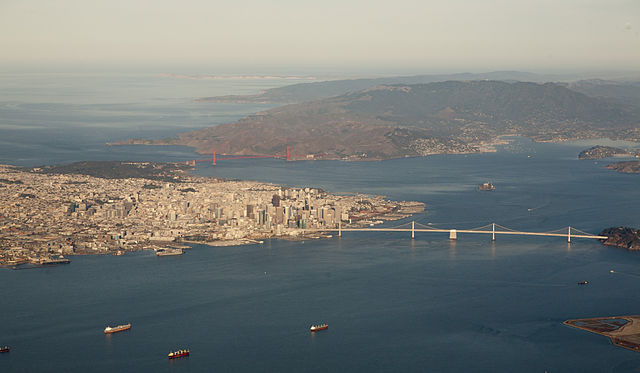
point(402, 34)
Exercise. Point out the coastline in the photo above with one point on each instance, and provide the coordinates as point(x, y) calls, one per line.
point(483, 147)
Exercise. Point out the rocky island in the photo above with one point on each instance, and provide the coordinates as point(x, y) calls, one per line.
point(627, 167)
point(600, 151)
point(66, 210)
point(625, 237)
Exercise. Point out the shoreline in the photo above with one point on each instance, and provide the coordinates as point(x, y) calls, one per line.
point(484, 147)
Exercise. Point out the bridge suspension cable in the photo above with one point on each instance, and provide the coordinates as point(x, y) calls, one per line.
point(412, 227)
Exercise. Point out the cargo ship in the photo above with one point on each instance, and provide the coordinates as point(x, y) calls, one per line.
point(315, 328)
point(115, 329)
point(5, 349)
point(177, 354)
point(169, 252)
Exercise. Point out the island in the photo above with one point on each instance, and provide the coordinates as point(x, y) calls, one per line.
point(599, 151)
point(625, 237)
point(411, 120)
point(626, 167)
point(48, 212)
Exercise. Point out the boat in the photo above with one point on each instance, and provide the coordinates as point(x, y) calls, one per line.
point(177, 354)
point(5, 349)
point(115, 329)
point(169, 252)
point(315, 328)
point(486, 186)
point(583, 282)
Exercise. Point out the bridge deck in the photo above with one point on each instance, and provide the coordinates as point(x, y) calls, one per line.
point(457, 231)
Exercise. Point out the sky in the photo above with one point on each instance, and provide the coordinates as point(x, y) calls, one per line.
point(405, 35)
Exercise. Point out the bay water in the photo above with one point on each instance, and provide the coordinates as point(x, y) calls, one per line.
point(392, 303)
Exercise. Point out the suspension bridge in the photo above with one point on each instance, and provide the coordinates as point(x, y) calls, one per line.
point(287, 156)
point(493, 229)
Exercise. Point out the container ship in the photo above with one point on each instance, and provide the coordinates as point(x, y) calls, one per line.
point(5, 349)
point(177, 354)
point(315, 328)
point(115, 329)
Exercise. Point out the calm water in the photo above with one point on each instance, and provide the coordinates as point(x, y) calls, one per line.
point(392, 303)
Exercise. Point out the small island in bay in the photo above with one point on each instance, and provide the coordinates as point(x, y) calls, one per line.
point(51, 211)
point(626, 167)
point(625, 237)
point(600, 151)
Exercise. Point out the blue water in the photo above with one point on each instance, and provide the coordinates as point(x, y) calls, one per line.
point(392, 303)
point(63, 118)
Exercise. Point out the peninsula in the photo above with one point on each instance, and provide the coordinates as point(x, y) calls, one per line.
point(52, 211)
point(395, 121)
point(622, 331)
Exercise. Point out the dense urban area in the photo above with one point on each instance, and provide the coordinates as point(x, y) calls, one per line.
point(45, 215)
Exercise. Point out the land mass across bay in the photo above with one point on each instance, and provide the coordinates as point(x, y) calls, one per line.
point(408, 120)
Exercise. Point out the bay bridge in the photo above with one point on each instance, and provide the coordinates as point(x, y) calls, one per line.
point(492, 229)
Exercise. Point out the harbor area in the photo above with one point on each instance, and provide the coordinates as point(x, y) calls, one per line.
point(623, 331)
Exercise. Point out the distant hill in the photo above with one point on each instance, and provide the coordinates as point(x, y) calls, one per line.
point(303, 92)
point(618, 91)
point(627, 93)
point(411, 120)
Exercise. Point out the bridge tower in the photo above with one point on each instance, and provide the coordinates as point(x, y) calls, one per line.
point(569, 235)
point(453, 235)
point(340, 228)
point(493, 232)
point(287, 153)
point(413, 227)
point(214, 158)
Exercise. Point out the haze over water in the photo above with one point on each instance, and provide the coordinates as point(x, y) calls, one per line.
point(392, 303)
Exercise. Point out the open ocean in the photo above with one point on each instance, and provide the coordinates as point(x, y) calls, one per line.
point(392, 303)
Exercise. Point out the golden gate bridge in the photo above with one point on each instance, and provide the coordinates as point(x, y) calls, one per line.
point(287, 156)
point(493, 229)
